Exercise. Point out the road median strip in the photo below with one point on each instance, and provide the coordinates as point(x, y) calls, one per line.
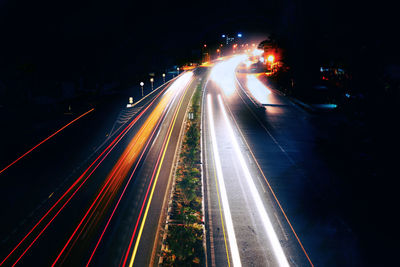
point(183, 238)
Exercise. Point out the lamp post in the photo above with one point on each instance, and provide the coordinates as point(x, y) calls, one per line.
point(177, 70)
point(163, 76)
point(151, 80)
point(141, 85)
point(230, 39)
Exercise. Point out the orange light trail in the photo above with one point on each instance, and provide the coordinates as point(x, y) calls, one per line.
point(120, 171)
point(151, 184)
point(56, 132)
point(80, 181)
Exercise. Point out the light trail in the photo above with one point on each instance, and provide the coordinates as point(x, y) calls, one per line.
point(36, 146)
point(112, 183)
point(258, 90)
point(224, 74)
point(67, 201)
point(180, 84)
point(274, 241)
point(79, 182)
point(224, 196)
point(120, 171)
point(122, 194)
point(220, 211)
point(262, 173)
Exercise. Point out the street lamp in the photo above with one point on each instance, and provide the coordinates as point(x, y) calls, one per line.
point(163, 76)
point(177, 70)
point(151, 80)
point(271, 60)
point(141, 85)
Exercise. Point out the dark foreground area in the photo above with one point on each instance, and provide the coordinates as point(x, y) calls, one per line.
point(358, 145)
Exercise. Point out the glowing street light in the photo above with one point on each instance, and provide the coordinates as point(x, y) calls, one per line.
point(141, 85)
point(270, 60)
point(151, 80)
point(177, 70)
point(239, 35)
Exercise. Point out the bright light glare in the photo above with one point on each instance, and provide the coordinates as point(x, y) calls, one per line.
point(257, 52)
point(181, 82)
point(224, 74)
point(276, 246)
point(224, 197)
point(271, 58)
point(257, 89)
point(248, 63)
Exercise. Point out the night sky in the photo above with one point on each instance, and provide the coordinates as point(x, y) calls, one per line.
point(107, 38)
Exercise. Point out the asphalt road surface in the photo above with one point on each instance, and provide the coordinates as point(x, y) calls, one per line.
point(107, 211)
point(270, 171)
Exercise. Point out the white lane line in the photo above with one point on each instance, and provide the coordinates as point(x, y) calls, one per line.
point(273, 238)
point(224, 197)
point(280, 225)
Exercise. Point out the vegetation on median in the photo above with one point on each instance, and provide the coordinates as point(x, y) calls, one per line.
point(183, 245)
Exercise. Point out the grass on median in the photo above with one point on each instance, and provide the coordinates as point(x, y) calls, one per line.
point(184, 241)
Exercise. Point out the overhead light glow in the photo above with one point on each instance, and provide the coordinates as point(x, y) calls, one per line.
point(257, 52)
point(224, 74)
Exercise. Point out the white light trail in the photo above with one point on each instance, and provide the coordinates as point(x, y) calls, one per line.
point(224, 197)
point(181, 82)
point(257, 52)
point(273, 238)
point(224, 74)
point(257, 89)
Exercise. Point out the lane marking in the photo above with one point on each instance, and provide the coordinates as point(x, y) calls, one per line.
point(122, 194)
point(205, 176)
point(262, 173)
point(156, 179)
point(107, 150)
point(224, 196)
point(280, 225)
point(220, 209)
point(165, 208)
point(274, 241)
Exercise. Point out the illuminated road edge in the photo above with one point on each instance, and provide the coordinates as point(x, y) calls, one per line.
point(224, 196)
point(276, 246)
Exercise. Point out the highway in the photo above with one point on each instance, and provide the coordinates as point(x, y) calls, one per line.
point(108, 213)
point(261, 172)
point(262, 177)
